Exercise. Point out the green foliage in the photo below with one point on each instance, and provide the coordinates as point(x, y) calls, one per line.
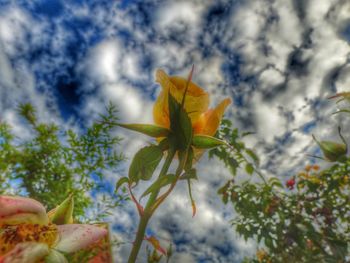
point(234, 154)
point(55, 162)
point(308, 223)
point(7, 153)
point(144, 163)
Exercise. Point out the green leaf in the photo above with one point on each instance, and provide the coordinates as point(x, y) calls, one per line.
point(144, 163)
point(252, 155)
point(148, 129)
point(159, 183)
point(180, 124)
point(249, 168)
point(120, 182)
point(206, 142)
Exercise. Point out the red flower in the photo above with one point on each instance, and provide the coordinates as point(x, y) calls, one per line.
point(290, 183)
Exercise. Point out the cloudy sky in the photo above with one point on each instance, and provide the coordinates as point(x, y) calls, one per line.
point(278, 59)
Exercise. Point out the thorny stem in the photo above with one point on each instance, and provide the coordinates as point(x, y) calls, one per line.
point(146, 215)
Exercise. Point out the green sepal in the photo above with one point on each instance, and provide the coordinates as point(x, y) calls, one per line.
point(180, 124)
point(120, 182)
point(63, 214)
point(144, 163)
point(147, 129)
point(206, 142)
point(161, 182)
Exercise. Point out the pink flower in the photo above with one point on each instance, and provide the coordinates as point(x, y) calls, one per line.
point(28, 235)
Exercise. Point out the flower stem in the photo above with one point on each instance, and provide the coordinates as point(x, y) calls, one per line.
point(144, 218)
point(139, 238)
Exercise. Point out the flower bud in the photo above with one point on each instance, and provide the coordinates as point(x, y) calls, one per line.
point(63, 214)
point(332, 151)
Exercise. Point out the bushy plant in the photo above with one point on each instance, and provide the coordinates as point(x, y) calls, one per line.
point(55, 162)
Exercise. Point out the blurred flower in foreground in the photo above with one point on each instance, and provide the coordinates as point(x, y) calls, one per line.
point(29, 235)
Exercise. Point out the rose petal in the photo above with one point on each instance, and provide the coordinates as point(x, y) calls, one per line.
point(15, 210)
point(196, 102)
point(28, 252)
point(209, 122)
point(77, 236)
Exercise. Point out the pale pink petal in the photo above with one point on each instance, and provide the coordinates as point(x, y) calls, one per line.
point(28, 252)
point(15, 210)
point(73, 237)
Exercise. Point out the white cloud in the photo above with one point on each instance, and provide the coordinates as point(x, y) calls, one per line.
point(270, 78)
point(105, 66)
point(172, 13)
point(267, 41)
point(343, 82)
point(269, 119)
point(7, 77)
point(13, 25)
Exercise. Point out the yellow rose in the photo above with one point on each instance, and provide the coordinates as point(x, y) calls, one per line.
point(204, 121)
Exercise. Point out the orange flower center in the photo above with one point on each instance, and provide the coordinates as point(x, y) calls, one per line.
point(10, 235)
